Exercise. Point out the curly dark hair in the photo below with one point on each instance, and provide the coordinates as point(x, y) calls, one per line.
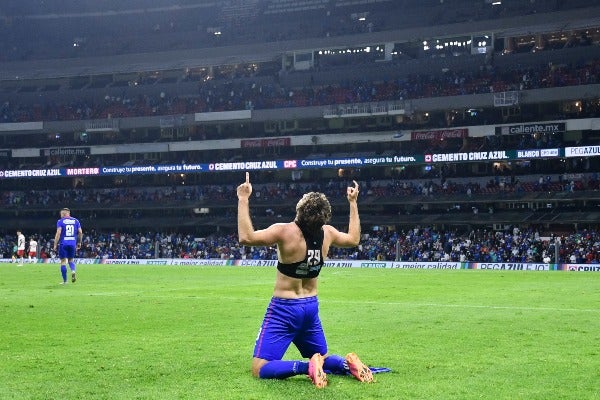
point(313, 211)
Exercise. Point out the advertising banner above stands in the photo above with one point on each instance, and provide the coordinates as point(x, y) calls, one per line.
point(582, 151)
point(31, 173)
point(338, 264)
point(212, 167)
point(284, 141)
point(502, 155)
point(553, 127)
point(65, 151)
point(346, 162)
point(538, 153)
point(471, 156)
point(440, 134)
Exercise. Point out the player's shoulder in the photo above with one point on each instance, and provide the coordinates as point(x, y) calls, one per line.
point(282, 225)
point(283, 229)
point(330, 232)
point(329, 228)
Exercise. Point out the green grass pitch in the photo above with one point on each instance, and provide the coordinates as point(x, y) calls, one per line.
point(159, 332)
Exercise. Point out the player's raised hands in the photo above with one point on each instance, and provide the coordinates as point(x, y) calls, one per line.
point(352, 192)
point(245, 189)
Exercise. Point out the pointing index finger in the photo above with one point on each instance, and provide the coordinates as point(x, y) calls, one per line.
point(355, 184)
point(247, 177)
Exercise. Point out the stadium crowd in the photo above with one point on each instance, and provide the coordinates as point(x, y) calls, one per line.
point(417, 244)
point(239, 95)
point(121, 245)
point(275, 192)
point(430, 244)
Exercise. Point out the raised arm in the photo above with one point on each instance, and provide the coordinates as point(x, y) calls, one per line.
point(352, 238)
point(246, 233)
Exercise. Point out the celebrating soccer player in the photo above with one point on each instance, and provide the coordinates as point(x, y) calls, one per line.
point(68, 239)
point(293, 313)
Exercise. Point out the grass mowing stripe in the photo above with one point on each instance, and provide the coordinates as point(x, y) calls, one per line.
point(388, 303)
point(149, 332)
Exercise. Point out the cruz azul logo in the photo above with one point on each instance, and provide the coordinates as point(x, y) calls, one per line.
point(582, 268)
point(472, 156)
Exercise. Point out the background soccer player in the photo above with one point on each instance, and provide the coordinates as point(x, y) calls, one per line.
point(293, 313)
point(67, 239)
point(20, 247)
point(32, 251)
point(14, 252)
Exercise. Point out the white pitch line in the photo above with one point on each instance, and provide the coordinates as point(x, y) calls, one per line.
point(595, 310)
point(387, 303)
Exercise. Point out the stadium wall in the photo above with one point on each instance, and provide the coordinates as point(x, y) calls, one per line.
point(339, 264)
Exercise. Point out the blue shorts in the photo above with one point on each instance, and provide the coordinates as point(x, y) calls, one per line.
point(290, 321)
point(66, 251)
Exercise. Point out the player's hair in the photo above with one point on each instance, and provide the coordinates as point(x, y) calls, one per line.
point(65, 209)
point(313, 211)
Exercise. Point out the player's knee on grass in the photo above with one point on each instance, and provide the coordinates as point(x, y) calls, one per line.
point(257, 364)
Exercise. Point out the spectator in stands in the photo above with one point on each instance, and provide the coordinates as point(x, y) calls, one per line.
point(240, 95)
point(418, 244)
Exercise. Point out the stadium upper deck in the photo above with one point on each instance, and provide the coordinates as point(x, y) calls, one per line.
point(453, 88)
point(97, 38)
point(90, 28)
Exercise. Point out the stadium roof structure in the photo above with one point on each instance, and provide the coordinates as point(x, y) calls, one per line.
point(260, 52)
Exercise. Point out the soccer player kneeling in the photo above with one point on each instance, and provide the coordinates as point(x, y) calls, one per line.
point(293, 313)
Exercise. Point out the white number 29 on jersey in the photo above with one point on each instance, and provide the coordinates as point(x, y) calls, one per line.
point(314, 257)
